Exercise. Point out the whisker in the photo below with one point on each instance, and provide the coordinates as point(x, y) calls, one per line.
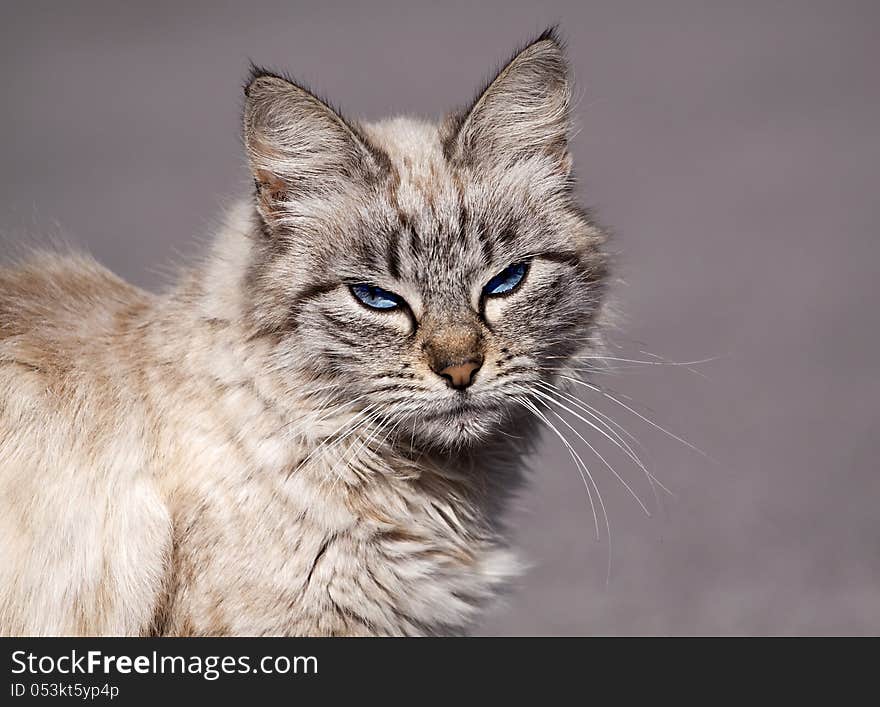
point(687, 365)
point(330, 438)
point(579, 464)
point(609, 422)
point(623, 447)
point(674, 436)
point(594, 450)
point(661, 362)
point(351, 454)
point(621, 443)
point(582, 468)
point(290, 428)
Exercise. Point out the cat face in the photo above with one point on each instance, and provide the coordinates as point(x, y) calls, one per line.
point(425, 275)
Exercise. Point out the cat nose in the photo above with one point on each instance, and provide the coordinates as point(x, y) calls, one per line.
point(460, 375)
point(454, 350)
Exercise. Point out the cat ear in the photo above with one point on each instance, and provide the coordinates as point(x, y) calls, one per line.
point(524, 111)
point(296, 144)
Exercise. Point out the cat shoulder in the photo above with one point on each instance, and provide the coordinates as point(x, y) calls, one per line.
point(55, 306)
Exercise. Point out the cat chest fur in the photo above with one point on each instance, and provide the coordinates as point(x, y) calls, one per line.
point(303, 553)
point(277, 528)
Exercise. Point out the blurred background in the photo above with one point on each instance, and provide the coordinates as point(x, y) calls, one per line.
point(733, 147)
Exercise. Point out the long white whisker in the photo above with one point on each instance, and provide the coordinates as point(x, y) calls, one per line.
point(582, 468)
point(324, 412)
point(640, 416)
point(596, 452)
point(687, 364)
point(610, 424)
point(661, 362)
point(618, 440)
point(598, 429)
point(330, 438)
point(352, 454)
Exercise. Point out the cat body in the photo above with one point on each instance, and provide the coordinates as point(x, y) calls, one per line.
point(273, 447)
point(183, 504)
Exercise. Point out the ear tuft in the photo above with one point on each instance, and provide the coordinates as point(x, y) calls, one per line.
point(551, 34)
point(255, 72)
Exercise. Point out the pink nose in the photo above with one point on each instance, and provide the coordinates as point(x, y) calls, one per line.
point(461, 375)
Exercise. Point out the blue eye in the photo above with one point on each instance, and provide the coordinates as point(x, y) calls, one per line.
point(507, 280)
point(375, 297)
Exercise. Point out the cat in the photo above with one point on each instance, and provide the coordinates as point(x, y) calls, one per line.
point(317, 429)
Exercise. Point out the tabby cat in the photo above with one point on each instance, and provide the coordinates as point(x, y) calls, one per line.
point(316, 430)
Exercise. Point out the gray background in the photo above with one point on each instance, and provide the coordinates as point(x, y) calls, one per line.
point(734, 147)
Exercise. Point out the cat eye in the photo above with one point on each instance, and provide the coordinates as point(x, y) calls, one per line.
point(375, 297)
point(506, 281)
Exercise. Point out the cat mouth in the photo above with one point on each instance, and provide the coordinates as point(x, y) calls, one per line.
point(462, 408)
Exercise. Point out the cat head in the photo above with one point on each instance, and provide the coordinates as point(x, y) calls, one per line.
point(426, 274)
